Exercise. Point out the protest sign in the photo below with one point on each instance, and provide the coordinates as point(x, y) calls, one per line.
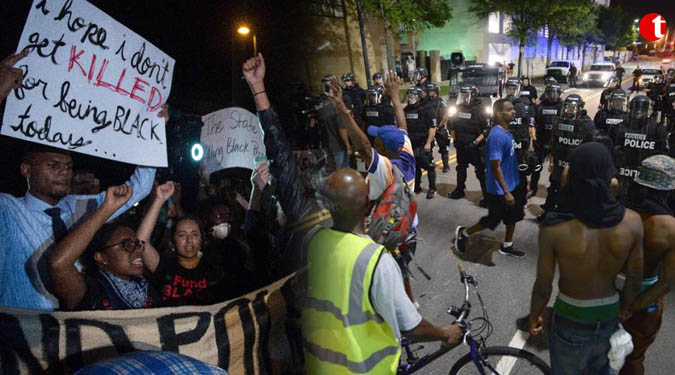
point(241, 336)
point(90, 85)
point(231, 137)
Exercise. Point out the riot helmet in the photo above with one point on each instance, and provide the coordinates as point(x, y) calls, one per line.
point(348, 77)
point(572, 106)
point(639, 111)
point(617, 101)
point(374, 95)
point(552, 93)
point(414, 95)
point(512, 88)
point(467, 94)
point(432, 88)
point(378, 79)
point(550, 81)
point(326, 82)
point(419, 74)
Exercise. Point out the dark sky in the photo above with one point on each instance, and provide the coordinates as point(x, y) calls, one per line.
point(639, 8)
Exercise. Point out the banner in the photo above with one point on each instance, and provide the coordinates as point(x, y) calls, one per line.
point(231, 137)
point(242, 336)
point(90, 85)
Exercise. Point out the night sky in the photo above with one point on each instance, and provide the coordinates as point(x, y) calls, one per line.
point(638, 9)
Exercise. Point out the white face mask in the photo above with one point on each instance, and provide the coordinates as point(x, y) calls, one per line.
point(221, 231)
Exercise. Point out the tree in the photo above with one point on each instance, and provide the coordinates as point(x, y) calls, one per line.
point(413, 15)
point(525, 18)
point(566, 19)
point(579, 28)
point(616, 27)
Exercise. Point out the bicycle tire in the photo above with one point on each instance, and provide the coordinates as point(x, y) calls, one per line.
point(504, 351)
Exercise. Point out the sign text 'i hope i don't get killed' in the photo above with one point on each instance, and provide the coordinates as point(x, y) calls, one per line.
point(90, 85)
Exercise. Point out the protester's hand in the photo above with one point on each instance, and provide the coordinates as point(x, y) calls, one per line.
point(427, 147)
point(116, 197)
point(510, 200)
point(335, 93)
point(164, 191)
point(164, 112)
point(254, 73)
point(454, 334)
point(10, 77)
point(391, 85)
point(536, 326)
point(261, 176)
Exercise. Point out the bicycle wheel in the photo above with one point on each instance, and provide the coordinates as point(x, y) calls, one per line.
point(504, 360)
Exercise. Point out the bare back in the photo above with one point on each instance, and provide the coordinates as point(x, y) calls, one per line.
point(590, 259)
point(659, 240)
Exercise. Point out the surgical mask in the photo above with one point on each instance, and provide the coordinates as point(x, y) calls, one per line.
point(221, 231)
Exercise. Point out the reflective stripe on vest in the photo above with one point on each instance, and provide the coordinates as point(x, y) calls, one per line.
point(342, 332)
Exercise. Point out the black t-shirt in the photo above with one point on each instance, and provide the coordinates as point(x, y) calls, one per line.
point(181, 286)
point(95, 297)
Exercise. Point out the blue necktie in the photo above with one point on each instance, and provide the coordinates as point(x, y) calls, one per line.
point(60, 231)
point(58, 226)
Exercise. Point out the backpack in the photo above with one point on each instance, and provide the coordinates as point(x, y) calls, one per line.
point(391, 217)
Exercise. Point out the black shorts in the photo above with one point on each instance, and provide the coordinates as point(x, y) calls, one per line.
point(498, 211)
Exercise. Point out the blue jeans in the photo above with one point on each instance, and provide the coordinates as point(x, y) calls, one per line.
point(575, 350)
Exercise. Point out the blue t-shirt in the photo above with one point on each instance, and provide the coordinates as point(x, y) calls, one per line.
point(500, 146)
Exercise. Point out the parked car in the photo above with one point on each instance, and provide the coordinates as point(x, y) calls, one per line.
point(648, 76)
point(560, 70)
point(600, 73)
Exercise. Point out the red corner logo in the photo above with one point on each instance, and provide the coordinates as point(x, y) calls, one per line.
point(653, 27)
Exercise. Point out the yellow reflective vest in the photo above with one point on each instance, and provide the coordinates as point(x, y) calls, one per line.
point(342, 332)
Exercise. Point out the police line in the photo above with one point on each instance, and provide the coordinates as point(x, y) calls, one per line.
point(236, 335)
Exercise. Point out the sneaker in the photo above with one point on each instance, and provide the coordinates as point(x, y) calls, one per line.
point(445, 169)
point(457, 194)
point(431, 193)
point(460, 240)
point(483, 203)
point(418, 189)
point(511, 251)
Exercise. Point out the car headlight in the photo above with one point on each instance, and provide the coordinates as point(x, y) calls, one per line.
point(585, 76)
point(452, 110)
point(488, 110)
point(606, 75)
point(640, 80)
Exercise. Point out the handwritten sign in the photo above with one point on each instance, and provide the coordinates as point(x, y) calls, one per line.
point(90, 85)
point(240, 335)
point(231, 137)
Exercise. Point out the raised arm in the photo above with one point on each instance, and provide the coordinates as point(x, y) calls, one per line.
point(69, 284)
point(141, 184)
point(150, 255)
point(391, 85)
point(10, 77)
point(543, 285)
point(357, 136)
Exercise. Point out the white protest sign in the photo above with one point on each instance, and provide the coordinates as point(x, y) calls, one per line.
point(90, 85)
point(231, 137)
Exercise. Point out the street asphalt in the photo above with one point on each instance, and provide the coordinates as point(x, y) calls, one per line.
point(505, 283)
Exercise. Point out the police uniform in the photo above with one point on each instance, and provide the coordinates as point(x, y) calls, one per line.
point(468, 123)
point(438, 107)
point(610, 119)
point(567, 135)
point(520, 129)
point(379, 114)
point(546, 115)
point(634, 143)
point(420, 120)
point(528, 91)
point(357, 95)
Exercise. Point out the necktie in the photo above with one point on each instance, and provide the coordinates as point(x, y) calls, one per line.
point(58, 226)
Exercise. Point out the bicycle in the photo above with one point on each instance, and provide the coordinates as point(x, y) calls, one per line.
point(486, 360)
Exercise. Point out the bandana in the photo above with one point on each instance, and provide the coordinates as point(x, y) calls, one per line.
point(586, 196)
point(124, 294)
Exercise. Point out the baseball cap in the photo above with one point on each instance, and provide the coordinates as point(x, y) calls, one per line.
point(392, 137)
point(657, 172)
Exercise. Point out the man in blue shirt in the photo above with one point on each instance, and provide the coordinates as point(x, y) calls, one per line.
point(502, 184)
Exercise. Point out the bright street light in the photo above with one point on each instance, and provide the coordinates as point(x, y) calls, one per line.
point(636, 20)
point(243, 30)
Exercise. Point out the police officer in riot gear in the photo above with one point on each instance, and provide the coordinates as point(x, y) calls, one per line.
point(637, 139)
point(548, 82)
point(615, 113)
point(421, 79)
point(378, 80)
point(437, 105)
point(604, 96)
point(469, 127)
point(548, 112)
point(528, 91)
point(356, 94)
point(657, 91)
point(377, 112)
point(569, 131)
point(422, 124)
point(522, 128)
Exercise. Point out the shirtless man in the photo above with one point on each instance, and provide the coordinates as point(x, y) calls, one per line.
point(657, 179)
point(592, 238)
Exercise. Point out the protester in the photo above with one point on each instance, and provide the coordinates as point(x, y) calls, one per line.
point(339, 256)
point(333, 134)
point(592, 238)
point(505, 199)
point(112, 254)
point(657, 179)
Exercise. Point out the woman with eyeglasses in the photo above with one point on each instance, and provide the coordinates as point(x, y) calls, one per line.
point(112, 256)
point(183, 278)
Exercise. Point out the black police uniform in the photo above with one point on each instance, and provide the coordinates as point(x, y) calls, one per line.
point(604, 96)
point(546, 114)
point(634, 143)
point(420, 120)
point(529, 92)
point(656, 94)
point(358, 98)
point(567, 135)
point(609, 119)
point(379, 114)
point(520, 129)
point(438, 107)
point(468, 123)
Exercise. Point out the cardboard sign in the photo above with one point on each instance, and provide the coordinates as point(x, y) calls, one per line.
point(90, 85)
point(240, 335)
point(231, 137)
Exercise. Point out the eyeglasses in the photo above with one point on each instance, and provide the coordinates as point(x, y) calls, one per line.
point(129, 245)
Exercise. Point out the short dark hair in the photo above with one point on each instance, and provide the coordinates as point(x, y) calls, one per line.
point(499, 105)
point(30, 149)
point(196, 219)
point(97, 243)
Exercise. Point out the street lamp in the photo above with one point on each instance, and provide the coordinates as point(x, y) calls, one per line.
point(244, 30)
point(636, 20)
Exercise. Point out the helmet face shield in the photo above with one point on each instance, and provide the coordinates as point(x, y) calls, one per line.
point(464, 96)
point(512, 89)
point(413, 96)
point(552, 93)
point(617, 103)
point(639, 108)
point(571, 109)
point(374, 97)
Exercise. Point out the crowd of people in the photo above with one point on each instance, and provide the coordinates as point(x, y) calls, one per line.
point(608, 217)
